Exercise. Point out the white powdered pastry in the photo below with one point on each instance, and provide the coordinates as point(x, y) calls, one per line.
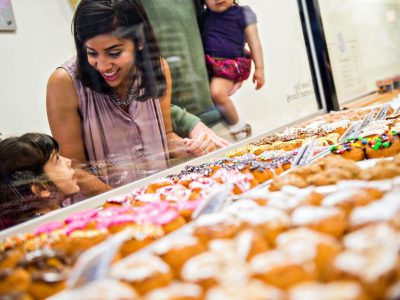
point(384, 210)
point(393, 292)
point(253, 290)
point(311, 214)
point(243, 242)
point(288, 198)
point(241, 180)
point(267, 261)
point(339, 197)
point(383, 185)
point(139, 267)
point(367, 265)
point(264, 215)
point(174, 193)
point(339, 290)
point(216, 220)
point(241, 205)
point(305, 234)
point(176, 290)
point(203, 184)
point(300, 252)
point(104, 289)
point(225, 248)
point(203, 266)
point(233, 270)
point(290, 133)
point(148, 197)
point(373, 236)
point(314, 127)
point(165, 245)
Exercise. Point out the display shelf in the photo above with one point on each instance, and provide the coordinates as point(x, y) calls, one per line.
point(98, 200)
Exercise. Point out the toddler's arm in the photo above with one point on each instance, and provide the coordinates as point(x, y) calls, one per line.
point(253, 40)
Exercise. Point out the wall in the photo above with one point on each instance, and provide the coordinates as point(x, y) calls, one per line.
point(43, 41)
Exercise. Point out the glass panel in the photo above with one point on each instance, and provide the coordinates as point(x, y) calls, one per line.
point(40, 45)
point(363, 43)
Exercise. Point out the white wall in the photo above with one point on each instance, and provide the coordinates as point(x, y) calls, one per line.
point(42, 42)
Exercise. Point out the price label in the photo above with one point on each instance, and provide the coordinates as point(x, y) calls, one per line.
point(215, 202)
point(382, 112)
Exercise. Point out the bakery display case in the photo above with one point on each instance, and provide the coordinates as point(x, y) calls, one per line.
point(307, 210)
point(288, 225)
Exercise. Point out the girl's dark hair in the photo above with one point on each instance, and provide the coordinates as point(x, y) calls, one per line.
point(126, 19)
point(202, 3)
point(22, 160)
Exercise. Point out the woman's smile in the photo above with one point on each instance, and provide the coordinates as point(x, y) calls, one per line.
point(111, 76)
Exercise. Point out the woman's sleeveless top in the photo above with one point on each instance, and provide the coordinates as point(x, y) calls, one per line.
point(120, 147)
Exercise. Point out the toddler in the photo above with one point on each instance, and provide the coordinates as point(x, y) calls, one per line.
point(226, 28)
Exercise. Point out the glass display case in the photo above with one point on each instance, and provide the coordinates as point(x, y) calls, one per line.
point(293, 89)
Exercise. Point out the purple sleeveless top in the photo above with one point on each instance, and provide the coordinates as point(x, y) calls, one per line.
point(120, 147)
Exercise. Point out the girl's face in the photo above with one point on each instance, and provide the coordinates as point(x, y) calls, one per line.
point(112, 57)
point(58, 169)
point(219, 5)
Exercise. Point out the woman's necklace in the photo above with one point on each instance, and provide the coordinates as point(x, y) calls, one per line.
point(130, 96)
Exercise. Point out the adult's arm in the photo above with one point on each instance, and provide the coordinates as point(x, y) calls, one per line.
point(183, 122)
point(202, 139)
point(62, 105)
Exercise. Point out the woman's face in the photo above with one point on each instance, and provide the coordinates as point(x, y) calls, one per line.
point(112, 57)
point(58, 169)
point(219, 5)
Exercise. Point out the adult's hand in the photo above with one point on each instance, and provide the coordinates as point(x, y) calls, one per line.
point(200, 129)
point(177, 146)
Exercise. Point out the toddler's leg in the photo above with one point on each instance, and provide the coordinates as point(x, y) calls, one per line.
point(221, 89)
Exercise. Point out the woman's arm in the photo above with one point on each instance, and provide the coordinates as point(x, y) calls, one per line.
point(176, 144)
point(62, 111)
point(166, 100)
point(253, 40)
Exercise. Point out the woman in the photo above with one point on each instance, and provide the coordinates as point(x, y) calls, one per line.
point(111, 107)
point(34, 178)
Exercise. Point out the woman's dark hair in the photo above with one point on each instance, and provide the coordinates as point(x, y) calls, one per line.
point(22, 160)
point(126, 19)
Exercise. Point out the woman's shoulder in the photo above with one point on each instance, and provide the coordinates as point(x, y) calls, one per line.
point(61, 85)
point(60, 78)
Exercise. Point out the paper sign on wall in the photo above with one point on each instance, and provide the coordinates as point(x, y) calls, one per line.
point(7, 20)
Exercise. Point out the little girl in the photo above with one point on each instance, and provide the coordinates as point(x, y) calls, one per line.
point(34, 178)
point(225, 30)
